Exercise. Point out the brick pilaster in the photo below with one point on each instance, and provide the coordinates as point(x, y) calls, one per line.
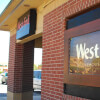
point(20, 72)
point(15, 66)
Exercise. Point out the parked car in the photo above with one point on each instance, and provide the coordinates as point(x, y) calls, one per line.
point(3, 78)
point(37, 79)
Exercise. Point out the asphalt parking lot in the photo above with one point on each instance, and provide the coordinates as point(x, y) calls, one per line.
point(3, 93)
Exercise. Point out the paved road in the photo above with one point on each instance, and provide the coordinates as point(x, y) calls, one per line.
point(3, 93)
point(3, 88)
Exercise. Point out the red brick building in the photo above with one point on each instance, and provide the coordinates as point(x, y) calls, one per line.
point(51, 17)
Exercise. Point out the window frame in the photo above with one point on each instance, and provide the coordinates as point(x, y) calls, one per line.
point(74, 79)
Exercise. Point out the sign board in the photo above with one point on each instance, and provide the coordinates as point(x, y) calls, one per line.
point(85, 54)
point(26, 25)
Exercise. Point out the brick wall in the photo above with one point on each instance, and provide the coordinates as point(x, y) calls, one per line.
point(53, 48)
point(20, 69)
point(15, 66)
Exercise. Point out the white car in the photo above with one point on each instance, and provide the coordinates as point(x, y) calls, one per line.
point(3, 77)
point(37, 80)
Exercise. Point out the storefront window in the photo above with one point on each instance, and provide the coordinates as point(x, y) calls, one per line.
point(85, 54)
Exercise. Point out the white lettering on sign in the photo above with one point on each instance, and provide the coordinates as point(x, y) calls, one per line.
point(82, 51)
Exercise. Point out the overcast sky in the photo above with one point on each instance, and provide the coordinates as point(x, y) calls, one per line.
point(38, 56)
point(4, 46)
point(3, 5)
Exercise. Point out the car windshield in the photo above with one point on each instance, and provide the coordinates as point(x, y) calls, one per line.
point(37, 74)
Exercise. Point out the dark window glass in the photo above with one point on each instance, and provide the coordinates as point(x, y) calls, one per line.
point(84, 18)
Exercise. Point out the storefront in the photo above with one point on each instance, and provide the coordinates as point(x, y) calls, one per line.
point(69, 33)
